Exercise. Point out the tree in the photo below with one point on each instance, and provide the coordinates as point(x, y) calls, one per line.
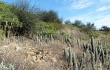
point(68, 22)
point(50, 16)
point(8, 20)
point(27, 14)
point(90, 26)
point(77, 23)
point(105, 28)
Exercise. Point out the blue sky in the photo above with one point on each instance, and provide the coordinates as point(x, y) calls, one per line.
point(95, 11)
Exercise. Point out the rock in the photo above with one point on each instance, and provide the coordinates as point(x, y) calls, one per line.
point(39, 57)
point(18, 48)
point(31, 53)
point(54, 59)
point(5, 46)
point(34, 58)
point(13, 46)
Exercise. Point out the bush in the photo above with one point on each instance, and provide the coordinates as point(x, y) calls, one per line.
point(8, 20)
point(26, 14)
point(67, 22)
point(47, 28)
point(105, 28)
point(77, 23)
point(50, 16)
point(30, 16)
point(88, 28)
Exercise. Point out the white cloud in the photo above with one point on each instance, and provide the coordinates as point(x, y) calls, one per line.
point(80, 4)
point(98, 13)
point(103, 8)
point(102, 22)
point(98, 20)
point(84, 17)
point(104, 1)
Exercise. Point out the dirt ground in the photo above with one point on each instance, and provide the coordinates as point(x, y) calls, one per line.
point(29, 56)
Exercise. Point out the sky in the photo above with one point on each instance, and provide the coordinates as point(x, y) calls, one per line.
point(94, 11)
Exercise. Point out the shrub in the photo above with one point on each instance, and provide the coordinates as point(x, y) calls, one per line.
point(77, 23)
point(105, 28)
point(26, 14)
point(8, 20)
point(67, 22)
point(50, 16)
point(47, 28)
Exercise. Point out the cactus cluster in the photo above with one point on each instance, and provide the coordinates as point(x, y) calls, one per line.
point(71, 58)
point(99, 56)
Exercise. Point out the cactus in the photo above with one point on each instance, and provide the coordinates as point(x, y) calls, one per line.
point(92, 44)
point(87, 47)
point(70, 59)
point(106, 54)
point(69, 56)
point(96, 55)
point(11, 67)
point(81, 63)
point(84, 47)
point(102, 57)
point(3, 67)
point(93, 61)
point(99, 55)
point(66, 53)
point(75, 64)
point(78, 42)
point(68, 41)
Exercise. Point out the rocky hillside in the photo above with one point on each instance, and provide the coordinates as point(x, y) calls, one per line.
point(40, 41)
point(29, 56)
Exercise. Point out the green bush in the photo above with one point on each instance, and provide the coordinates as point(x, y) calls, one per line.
point(47, 28)
point(94, 34)
point(22, 18)
point(8, 20)
point(50, 16)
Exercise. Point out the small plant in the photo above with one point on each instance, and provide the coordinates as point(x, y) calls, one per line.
point(3, 67)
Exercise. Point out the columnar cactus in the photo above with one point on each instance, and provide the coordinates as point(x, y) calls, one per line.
point(78, 42)
point(81, 64)
point(66, 53)
point(95, 51)
point(92, 44)
point(75, 64)
point(96, 55)
point(102, 57)
point(70, 59)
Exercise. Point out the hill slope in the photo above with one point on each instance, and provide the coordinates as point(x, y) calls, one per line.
point(53, 46)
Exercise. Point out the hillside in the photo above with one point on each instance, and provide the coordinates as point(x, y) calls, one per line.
point(39, 41)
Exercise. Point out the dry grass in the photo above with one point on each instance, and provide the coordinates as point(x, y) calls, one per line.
point(27, 55)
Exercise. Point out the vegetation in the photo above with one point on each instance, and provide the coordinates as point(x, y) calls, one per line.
point(105, 28)
point(50, 16)
point(21, 18)
point(3, 67)
point(45, 30)
point(94, 54)
point(8, 20)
